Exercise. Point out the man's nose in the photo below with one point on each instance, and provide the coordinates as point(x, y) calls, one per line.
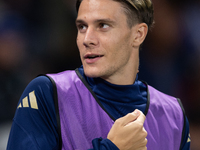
point(90, 39)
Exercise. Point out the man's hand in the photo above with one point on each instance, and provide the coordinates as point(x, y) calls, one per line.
point(128, 133)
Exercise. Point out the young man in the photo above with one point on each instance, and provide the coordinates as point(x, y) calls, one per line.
point(101, 105)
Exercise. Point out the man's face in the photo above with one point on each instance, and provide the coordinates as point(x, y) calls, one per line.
point(104, 40)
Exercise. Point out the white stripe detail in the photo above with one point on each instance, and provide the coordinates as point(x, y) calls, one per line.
point(25, 102)
point(33, 100)
point(20, 105)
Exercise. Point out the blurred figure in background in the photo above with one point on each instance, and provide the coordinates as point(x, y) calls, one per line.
point(12, 55)
point(173, 52)
point(191, 75)
point(33, 40)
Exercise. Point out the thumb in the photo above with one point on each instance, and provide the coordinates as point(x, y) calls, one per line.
point(130, 117)
point(141, 117)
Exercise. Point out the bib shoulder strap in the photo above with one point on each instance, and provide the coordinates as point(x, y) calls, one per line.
point(55, 97)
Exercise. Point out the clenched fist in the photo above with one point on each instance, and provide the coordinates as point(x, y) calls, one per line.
point(128, 133)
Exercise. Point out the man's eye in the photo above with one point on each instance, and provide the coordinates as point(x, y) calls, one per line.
point(103, 25)
point(82, 27)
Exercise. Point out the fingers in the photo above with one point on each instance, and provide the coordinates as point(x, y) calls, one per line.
point(141, 118)
point(137, 126)
point(143, 145)
point(136, 115)
point(130, 117)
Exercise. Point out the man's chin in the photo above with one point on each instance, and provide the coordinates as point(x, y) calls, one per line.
point(91, 75)
point(91, 71)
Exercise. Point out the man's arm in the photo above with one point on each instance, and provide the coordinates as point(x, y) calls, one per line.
point(34, 125)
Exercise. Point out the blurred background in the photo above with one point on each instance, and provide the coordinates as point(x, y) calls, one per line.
point(39, 37)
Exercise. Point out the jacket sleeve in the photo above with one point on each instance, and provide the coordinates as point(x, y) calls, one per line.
point(185, 145)
point(103, 144)
point(34, 125)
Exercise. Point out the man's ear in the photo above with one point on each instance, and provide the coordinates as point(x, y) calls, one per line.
point(139, 34)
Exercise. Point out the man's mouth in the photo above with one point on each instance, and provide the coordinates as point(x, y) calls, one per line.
point(93, 56)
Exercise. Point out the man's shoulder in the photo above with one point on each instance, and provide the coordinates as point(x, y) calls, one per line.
point(62, 76)
point(37, 92)
point(65, 72)
point(40, 83)
point(161, 104)
point(155, 93)
point(160, 100)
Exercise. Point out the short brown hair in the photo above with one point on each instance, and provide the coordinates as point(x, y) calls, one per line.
point(137, 11)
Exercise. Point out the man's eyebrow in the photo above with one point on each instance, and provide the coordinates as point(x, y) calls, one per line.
point(106, 20)
point(79, 21)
